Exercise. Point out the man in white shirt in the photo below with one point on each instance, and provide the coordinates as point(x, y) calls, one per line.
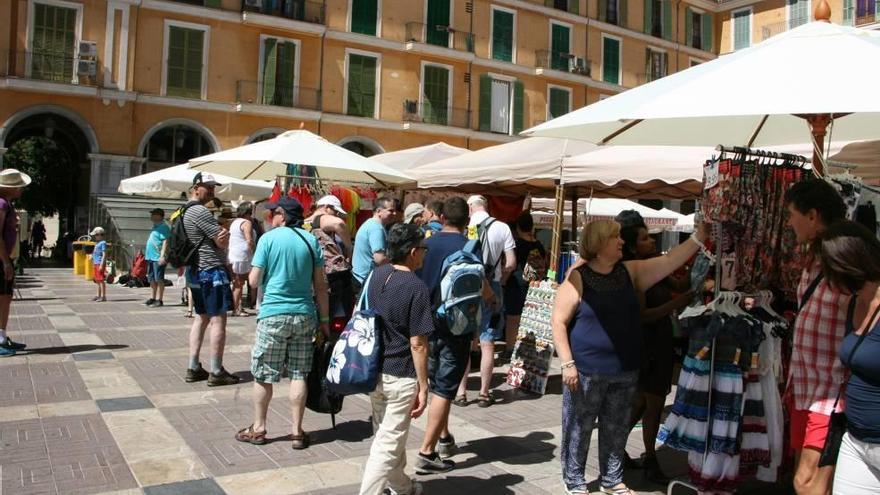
point(499, 257)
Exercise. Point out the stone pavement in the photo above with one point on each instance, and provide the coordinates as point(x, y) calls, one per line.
point(98, 405)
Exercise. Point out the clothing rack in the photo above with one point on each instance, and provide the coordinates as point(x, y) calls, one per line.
point(787, 158)
point(321, 179)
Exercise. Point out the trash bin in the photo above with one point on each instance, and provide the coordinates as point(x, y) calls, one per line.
point(87, 249)
point(81, 263)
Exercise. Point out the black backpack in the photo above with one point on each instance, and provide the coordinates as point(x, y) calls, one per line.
point(181, 251)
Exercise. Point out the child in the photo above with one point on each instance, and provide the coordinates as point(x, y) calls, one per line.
point(99, 262)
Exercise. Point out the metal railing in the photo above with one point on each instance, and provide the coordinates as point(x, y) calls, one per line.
point(425, 114)
point(565, 62)
point(861, 20)
point(566, 5)
point(771, 30)
point(257, 93)
point(445, 36)
point(644, 78)
point(211, 4)
point(297, 10)
point(53, 67)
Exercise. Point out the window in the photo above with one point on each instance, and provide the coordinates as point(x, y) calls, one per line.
point(613, 11)
point(848, 12)
point(436, 94)
point(363, 83)
point(437, 22)
point(185, 59)
point(291, 9)
point(610, 60)
point(866, 11)
point(175, 144)
point(695, 62)
point(656, 64)
point(501, 105)
point(560, 44)
point(364, 16)
point(503, 34)
point(742, 29)
point(53, 41)
point(558, 102)
point(798, 13)
point(699, 29)
point(278, 73)
point(658, 18)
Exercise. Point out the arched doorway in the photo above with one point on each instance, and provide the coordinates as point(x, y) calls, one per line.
point(175, 142)
point(362, 146)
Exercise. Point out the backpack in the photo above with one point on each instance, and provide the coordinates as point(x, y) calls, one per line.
point(334, 260)
point(181, 251)
point(535, 267)
point(480, 233)
point(458, 309)
point(320, 398)
point(138, 266)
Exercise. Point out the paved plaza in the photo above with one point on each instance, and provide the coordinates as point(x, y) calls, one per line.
point(98, 404)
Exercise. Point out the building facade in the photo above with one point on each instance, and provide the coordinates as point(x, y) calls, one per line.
point(131, 86)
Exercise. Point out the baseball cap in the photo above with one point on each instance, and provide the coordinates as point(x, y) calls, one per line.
point(411, 211)
point(97, 231)
point(291, 206)
point(157, 211)
point(206, 179)
point(331, 200)
point(476, 198)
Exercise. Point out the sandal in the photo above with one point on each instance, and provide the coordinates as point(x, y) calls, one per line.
point(300, 442)
point(461, 400)
point(248, 435)
point(625, 490)
point(188, 314)
point(485, 400)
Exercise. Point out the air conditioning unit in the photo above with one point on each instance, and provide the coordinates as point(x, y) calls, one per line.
point(88, 49)
point(577, 65)
point(86, 68)
point(253, 3)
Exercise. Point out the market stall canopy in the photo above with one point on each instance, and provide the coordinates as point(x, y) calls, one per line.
point(758, 96)
point(605, 208)
point(404, 160)
point(268, 159)
point(861, 159)
point(173, 182)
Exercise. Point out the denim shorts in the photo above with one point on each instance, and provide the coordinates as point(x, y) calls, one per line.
point(447, 362)
point(491, 329)
point(215, 292)
point(155, 272)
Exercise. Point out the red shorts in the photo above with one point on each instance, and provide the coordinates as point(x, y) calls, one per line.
point(98, 276)
point(808, 429)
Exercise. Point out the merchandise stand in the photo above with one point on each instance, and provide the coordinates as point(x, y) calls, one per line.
point(530, 361)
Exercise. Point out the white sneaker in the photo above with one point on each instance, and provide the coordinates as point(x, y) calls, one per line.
point(417, 489)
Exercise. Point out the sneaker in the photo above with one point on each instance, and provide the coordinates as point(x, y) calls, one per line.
point(149, 302)
point(196, 375)
point(433, 464)
point(15, 346)
point(156, 304)
point(446, 447)
point(6, 351)
point(222, 378)
point(416, 489)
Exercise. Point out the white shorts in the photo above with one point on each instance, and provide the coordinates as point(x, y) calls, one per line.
point(241, 267)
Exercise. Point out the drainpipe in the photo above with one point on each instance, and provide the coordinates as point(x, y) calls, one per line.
point(587, 53)
point(321, 70)
point(469, 6)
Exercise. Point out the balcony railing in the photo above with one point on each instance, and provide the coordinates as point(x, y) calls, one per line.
point(644, 78)
point(297, 10)
point(425, 114)
point(565, 62)
point(566, 5)
point(211, 4)
point(444, 36)
point(771, 30)
point(257, 93)
point(53, 67)
point(862, 20)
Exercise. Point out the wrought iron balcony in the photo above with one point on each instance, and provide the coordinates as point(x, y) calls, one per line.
point(566, 5)
point(443, 115)
point(261, 93)
point(297, 10)
point(565, 62)
point(53, 67)
point(864, 19)
point(438, 35)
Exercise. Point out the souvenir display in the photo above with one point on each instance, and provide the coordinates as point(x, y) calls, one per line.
point(530, 361)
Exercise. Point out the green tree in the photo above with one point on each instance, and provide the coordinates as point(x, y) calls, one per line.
point(50, 168)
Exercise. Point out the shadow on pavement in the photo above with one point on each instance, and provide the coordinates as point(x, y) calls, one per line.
point(354, 431)
point(501, 484)
point(533, 448)
point(74, 349)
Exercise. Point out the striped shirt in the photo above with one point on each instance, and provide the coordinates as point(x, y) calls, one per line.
point(201, 227)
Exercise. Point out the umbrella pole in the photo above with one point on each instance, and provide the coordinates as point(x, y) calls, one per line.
point(557, 229)
point(818, 128)
point(574, 215)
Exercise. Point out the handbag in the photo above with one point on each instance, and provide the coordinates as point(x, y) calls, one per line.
point(837, 421)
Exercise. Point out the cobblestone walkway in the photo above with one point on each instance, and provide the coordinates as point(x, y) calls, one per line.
point(98, 405)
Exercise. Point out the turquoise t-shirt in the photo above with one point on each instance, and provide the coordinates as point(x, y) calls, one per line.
point(370, 239)
point(161, 231)
point(287, 271)
point(98, 253)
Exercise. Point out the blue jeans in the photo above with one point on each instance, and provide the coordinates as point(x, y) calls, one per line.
point(609, 397)
point(490, 332)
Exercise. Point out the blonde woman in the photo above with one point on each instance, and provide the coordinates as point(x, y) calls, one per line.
point(598, 334)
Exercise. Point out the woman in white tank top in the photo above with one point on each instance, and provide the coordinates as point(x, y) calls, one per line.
point(241, 251)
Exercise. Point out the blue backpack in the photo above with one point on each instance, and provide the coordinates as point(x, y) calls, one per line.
point(459, 306)
point(356, 362)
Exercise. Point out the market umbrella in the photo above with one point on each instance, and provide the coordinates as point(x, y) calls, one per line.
point(861, 159)
point(172, 182)
point(413, 157)
point(784, 90)
point(269, 159)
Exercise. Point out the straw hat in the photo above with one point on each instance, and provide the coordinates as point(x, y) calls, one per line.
point(12, 178)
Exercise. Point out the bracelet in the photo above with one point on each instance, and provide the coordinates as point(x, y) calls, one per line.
point(698, 242)
point(567, 364)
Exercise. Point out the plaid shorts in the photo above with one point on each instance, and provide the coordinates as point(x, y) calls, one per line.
point(283, 341)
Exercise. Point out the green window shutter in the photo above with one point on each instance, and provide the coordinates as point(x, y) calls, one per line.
point(798, 13)
point(485, 103)
point(689, 27)
point(270, 63)
point(558, 103)
point(708, 38)
point(214, 4)
point(611, 60)
point(742, 27)
point(518, 107)
point(667, 19)
point(649, 18)
point(286, 60)
point(560, 48)
point(648, 65)
point(176, 70)
point(848, 12)
point(195, 44)
point(435, 99)
point(622, 13)
point(54, 42)
point(502, 35)
point(362, 86)
point(355, 75)
point(363, 16)
point(603, 10)
point(438, 15)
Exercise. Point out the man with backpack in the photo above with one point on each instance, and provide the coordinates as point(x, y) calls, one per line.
point(198, 242)
point(328, 226)
point(454, 273)
point(499, 258)
point(288, 264)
